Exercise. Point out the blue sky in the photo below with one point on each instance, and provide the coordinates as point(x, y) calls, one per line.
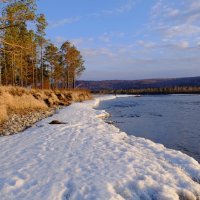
point(129, 39)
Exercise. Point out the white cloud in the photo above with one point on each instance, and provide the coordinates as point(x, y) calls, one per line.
point(174, 19)
point(173, 12)
point(146, 44)
point(155, 11)
point(195, 5)
point(183, 30)
point(184, 44)
point(97, 53)
point(172, 44)
point(62, 22)
point(126, 7)
point(177, 58)
point(108, 36)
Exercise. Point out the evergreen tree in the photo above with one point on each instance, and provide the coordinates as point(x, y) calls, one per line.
point(15, 17)
point(13, 13)
point(73, 63)
point(26, 59)
point(52, 58)
point(41, 26)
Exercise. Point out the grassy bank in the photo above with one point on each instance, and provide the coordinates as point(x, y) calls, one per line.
point(20, 101)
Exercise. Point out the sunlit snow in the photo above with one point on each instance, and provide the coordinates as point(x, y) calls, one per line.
point(89, 159)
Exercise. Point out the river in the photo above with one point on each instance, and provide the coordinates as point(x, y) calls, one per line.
point(172, 120)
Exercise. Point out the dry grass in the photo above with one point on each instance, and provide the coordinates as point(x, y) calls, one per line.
point(27, 102)
point(3, 113)
point(18, 100)
point(21, 100)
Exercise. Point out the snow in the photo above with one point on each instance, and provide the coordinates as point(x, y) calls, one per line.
point(89, 159)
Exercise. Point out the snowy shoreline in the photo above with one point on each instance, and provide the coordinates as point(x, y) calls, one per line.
point(89, 159)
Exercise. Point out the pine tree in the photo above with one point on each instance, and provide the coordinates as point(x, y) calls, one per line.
point(52, 58)
point(41, 26)
point(15, 16)
point(73, 63)
point(26, 59)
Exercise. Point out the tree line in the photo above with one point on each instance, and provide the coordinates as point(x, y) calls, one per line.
point(27, 58)
point(155, 91)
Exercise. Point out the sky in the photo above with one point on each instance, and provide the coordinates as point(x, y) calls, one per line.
point(129, 39)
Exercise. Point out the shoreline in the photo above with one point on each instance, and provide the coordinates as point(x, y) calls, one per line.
point(89, 159)
point(17, 123)
point(124, 120)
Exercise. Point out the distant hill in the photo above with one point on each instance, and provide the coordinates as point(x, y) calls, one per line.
point(138, 84)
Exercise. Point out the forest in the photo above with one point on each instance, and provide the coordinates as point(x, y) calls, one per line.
point(27, 57)
point(154, 91)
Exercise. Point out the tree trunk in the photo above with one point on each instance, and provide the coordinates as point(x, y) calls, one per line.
point(21, 71)
point(42, 78)
point(74, 81)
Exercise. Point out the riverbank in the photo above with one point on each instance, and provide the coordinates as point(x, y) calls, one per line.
point(86, 158)
point(20, 108)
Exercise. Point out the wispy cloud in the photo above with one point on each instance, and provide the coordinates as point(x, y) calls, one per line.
point(79, 42)
point(144, 59)
point(146, 44)
point(127, 7)
point(108, 36)
point(177, 20)
point(62, 22)
point(168, 46)
point(182, 30)
point(98, 52)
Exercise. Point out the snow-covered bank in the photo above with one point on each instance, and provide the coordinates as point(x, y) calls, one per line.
point(89, 159)
point(21, 107)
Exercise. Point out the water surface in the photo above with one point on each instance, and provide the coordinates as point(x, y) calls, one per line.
point(172, 120)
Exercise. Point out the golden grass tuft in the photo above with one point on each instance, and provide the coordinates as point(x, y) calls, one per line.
point(3, 113)
point(25, 101)
point(18, 100)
